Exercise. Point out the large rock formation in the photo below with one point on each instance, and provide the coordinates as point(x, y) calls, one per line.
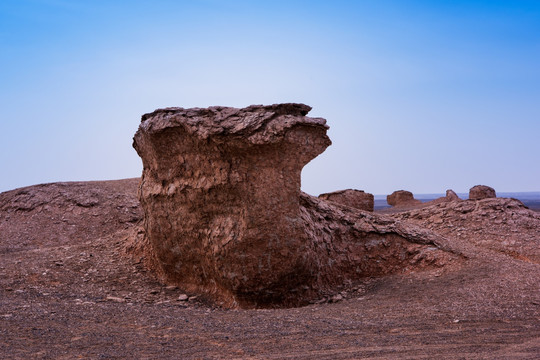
point(225, 218)
point(401, 198)
point(480, 192)
point(354, 198)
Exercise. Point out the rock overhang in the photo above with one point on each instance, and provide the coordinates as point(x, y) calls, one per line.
point(257, 124)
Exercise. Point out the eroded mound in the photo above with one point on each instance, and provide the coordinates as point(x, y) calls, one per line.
point(479, 192)
point(402, 198)
point(67, 211)
point(500, 224)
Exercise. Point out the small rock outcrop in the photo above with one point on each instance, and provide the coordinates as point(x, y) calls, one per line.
point(225, 217)
point(480, 192)
point(451, 195)
point(354, 198)
point(401, 198)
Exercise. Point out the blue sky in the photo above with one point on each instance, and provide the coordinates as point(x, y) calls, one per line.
point(419, 95)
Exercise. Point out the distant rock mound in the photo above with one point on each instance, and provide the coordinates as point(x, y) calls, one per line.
point(401, 198)
point(225, 217)
point(480, 192)
point(354, 198)
point(56, 209)
point(451, 195)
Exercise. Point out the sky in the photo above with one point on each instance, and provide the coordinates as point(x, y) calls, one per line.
point(419, 95)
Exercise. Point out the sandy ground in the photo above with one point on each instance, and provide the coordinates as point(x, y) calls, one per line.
point(68, 290)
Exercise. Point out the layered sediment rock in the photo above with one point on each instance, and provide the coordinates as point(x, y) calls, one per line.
point(354, 198)
point(225, 217)
point(480, 192)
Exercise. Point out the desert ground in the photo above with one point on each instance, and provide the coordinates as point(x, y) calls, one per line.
point(70, 287)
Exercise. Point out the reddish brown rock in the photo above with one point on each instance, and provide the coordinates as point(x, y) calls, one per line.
point(225, 218)
point(402, 198)
point(451, 195)
point(354, 198)
point(502, 224)
point(350, 244)
point(220, 190)
point(480, 192)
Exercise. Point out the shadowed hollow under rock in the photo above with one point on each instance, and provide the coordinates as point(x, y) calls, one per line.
point(225, 217)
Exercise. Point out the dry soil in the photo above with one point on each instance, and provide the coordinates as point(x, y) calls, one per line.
point(69, 289)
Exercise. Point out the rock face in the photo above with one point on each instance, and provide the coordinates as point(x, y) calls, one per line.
point(480, 192)
point(225, 217)
point(402, 198)
point(354, 198)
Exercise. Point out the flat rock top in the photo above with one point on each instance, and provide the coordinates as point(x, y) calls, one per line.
point(255, 123)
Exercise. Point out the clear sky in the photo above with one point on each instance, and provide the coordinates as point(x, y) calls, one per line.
point(419, 95)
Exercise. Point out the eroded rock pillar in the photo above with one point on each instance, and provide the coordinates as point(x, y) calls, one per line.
point(221, 189)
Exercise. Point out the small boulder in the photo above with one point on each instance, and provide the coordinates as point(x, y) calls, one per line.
point(402, 198)
point(480, 192)
point(354, 198)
